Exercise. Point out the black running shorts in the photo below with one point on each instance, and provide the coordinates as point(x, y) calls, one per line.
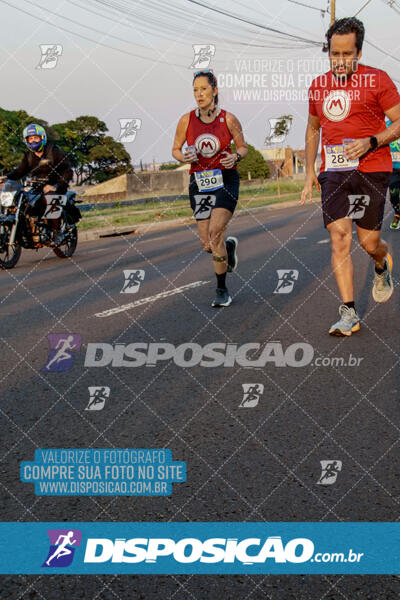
point(203, 202)
point(354, 195)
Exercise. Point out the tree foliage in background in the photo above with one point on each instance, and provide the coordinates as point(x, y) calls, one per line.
point(169, 166)
point(94, 155)
point(12, 147)
point(253, 162)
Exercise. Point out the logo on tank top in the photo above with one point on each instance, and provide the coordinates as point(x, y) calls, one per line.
point(207, 144)
point(336, 105)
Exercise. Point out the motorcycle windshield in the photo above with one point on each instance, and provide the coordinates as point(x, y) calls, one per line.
point(11, 186)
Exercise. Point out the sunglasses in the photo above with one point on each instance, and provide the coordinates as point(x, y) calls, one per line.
point(204, 72)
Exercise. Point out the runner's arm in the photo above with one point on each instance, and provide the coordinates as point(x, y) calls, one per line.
point(236, 130)
point(312, 142)
point(180, 138)
point(391, 133)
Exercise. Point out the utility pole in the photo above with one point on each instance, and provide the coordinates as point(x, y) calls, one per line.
point(333, 8)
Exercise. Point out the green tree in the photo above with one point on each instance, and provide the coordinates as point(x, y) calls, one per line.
point(169, 166)
point(94, 156)
point(107, 159)
point(253, 162)
point(12, 147)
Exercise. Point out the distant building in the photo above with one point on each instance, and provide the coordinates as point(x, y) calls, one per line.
point(289, 162)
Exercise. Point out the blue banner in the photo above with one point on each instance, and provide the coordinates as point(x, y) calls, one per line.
point(103, 472)
point(191, 548)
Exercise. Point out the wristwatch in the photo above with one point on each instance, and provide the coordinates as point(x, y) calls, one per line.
point(374, 142)
point(238, 157)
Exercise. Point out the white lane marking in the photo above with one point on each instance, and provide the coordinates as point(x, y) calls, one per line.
point(300, 238)
point(324, 241)
point(124, 307)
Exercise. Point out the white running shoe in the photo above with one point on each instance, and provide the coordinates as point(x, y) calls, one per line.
point(348, 323)
point(383, 283)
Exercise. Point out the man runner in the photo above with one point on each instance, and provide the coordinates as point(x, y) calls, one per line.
point(349, 104)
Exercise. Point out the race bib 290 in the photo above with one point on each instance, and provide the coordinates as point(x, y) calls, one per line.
point(210, 180)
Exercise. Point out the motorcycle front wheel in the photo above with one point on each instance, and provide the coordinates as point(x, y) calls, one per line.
point(9, 255)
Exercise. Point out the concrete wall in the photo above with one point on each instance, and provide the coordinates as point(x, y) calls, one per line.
point(161, 183)
point(158, 182)
point(117, 185)
point(116, 197)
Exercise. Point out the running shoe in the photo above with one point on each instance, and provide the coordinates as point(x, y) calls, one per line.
point(231, 248)
point(348, 323)
point(222, 298)
point(395, 224)
point(383, 282)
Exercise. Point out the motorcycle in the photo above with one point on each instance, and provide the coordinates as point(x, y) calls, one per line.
point(23, 224)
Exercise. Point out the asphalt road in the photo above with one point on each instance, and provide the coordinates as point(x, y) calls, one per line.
point(243, 464)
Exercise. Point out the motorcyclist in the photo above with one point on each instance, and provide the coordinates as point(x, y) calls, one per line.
point(43, 160)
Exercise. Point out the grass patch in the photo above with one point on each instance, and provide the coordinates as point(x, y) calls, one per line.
point(164, 211)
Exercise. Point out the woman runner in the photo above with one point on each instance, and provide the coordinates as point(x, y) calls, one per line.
point(214, 180)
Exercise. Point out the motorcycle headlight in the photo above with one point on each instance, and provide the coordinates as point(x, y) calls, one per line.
point(7, 198)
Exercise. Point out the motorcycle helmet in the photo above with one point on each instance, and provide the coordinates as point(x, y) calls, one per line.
point(35, 129)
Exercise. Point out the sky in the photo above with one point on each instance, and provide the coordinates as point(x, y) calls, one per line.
point(134, 59)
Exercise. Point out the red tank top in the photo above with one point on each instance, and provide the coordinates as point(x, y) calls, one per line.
point(210, 139)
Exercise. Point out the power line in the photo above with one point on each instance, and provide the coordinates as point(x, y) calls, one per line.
point(231, 42)
point(383, 51)
point(366, 4)
point(128, 53)
point(176, 14)
point(321, 10)
point(158, 17)
point(281, 21)
point(238, 18)
point(90, 39)
point(390, 3)
point(86, 26)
